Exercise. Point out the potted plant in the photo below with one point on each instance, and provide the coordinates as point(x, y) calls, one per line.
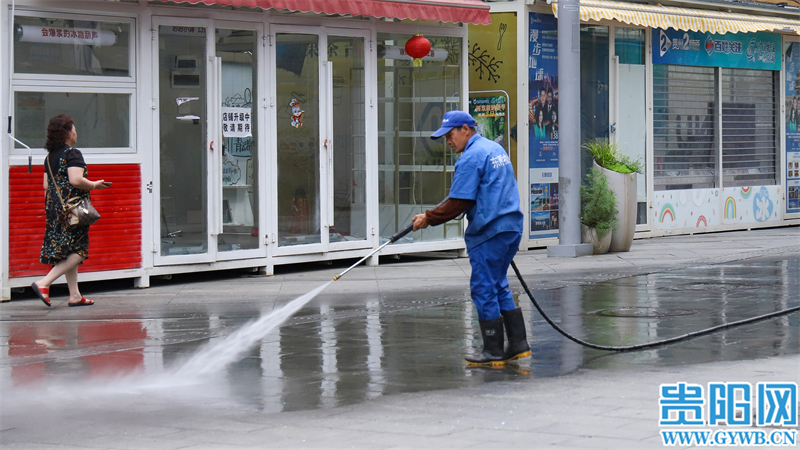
point(621, 172)
point(598, 211)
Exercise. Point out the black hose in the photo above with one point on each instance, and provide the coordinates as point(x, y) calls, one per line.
point(629, 348)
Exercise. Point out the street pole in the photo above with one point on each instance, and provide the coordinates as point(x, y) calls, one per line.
point(569, 139)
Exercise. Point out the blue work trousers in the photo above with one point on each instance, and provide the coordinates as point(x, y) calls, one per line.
point(489, 283)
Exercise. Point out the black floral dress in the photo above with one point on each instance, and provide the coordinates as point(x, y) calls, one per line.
point(59, 242)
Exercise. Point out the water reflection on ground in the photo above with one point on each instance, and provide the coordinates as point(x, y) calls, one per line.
point(336, 352)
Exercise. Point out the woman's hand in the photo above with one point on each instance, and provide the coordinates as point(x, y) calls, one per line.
point(101, 184)
point(77, 179)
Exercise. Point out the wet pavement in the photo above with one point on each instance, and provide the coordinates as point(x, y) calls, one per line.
point(368, 338)
point(339, 351)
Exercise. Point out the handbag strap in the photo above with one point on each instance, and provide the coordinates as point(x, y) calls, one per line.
point(58, 191)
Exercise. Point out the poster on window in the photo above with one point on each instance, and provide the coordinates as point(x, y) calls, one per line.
point(543, 124)
point(236, 122)
point(490, 114)
point(792, 101)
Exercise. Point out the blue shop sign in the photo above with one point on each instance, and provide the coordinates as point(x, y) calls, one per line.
point(758, 50)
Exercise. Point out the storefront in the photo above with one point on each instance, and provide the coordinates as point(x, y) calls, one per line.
point(705, 99)
point(231, 139)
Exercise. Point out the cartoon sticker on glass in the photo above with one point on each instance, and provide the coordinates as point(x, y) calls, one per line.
point(297, 113)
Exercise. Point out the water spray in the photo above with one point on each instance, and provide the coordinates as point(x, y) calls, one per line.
point(214, 357)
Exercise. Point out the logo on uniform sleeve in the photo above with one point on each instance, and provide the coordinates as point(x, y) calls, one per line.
point(500, 161)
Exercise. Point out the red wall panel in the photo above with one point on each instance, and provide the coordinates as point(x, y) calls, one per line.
point(115, 242)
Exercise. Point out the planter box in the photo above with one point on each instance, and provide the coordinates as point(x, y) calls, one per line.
point(589, 236)
point(624, 187)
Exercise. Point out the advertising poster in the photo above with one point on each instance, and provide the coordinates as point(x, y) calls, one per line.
point(543, 124)
point(792, 133)
point(738, 50)
point(492, 55)
point(490, 113)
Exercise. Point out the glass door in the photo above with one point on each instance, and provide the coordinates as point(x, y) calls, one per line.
point(629, 115)
point(181, 51)
point(237, 123)
point(298, 132)
point(321, 134)
point(208, 135)
point(347, 164)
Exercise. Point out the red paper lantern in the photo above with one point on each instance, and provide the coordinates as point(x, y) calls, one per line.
point(418, 47)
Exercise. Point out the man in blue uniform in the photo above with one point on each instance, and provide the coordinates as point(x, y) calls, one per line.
point(484, 186)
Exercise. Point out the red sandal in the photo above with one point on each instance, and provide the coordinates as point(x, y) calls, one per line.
point(83, 302)
point(42, 293)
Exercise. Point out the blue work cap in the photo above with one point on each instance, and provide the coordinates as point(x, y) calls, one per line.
point(453, 119)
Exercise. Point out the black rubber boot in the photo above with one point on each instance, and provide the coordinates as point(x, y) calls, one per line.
point(517, 337)
point(492, 354)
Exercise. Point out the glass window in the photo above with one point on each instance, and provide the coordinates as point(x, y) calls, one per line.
point(684, 146)
point(594, 87)
point(59, 46)
point(749, 124)
point(629, 45)
point(415, 172)
point(687, 136)
point(102, 120)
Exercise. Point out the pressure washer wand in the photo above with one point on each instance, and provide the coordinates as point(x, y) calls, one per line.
point(394, 238)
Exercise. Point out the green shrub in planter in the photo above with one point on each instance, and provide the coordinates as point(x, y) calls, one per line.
point(607, 156)
point(598, 204)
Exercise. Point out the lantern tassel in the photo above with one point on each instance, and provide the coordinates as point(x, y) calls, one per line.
point(417, 62)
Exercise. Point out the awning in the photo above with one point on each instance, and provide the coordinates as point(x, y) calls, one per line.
point(466, 11)
point(656, 16)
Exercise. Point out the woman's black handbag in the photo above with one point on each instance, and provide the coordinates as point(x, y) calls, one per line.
point(78, 211)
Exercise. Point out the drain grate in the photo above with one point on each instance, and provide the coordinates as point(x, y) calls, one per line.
point(643, 312)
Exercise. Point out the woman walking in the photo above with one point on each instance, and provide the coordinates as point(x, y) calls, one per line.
point(62, 248)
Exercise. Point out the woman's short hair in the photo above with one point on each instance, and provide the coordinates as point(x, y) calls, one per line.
point(58, 131)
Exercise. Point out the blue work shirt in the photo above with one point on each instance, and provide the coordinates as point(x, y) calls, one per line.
point(484, 174)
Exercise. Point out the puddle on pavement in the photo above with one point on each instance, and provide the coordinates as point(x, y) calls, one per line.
point(334, 353)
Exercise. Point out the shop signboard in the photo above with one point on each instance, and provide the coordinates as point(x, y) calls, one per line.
point(490, 114)
point(543, 124)
point(792, 102)
point(759, 50)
